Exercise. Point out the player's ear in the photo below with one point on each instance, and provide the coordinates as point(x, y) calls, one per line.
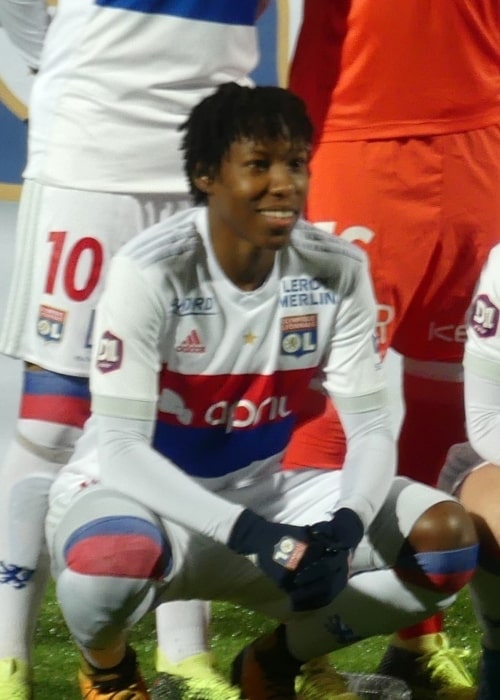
point(203, 182)
point(202, 178)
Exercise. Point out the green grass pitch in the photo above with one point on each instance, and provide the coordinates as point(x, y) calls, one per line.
point(231, 628)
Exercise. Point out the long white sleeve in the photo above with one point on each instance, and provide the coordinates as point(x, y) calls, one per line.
point(130, 465)
point(482, 407)
point(370, 462)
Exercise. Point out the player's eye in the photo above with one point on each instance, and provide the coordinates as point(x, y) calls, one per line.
point(260, 164)
point(298, 163)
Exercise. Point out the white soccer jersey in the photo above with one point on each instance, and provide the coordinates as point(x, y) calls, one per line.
point(222, 372)
point(117, 79)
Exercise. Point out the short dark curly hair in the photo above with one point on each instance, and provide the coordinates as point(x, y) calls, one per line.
point(235, 112)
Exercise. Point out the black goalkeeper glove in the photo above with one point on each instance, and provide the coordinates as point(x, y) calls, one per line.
point(309, 563)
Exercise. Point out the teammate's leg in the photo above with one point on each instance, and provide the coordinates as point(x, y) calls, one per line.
point(430, 389)
point(477, 485)
point(64, 240)
point(53, 410)
point(182, 633)
point(432, 332)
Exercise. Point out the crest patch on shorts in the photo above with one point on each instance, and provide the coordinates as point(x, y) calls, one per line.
point(50, 323)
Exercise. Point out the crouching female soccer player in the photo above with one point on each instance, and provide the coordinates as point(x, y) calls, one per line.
point(210, 329)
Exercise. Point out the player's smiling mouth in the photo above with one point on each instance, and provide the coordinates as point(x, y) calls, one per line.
point(278, 213)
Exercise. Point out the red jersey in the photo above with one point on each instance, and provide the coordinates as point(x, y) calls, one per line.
point(386, 69)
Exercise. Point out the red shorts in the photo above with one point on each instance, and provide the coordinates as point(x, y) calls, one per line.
point(427, 211)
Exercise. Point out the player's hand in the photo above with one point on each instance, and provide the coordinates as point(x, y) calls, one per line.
point(321, 579)
point(345, 529)
point(275, 548)
point(306, 562)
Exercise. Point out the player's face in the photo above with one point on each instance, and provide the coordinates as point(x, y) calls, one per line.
point(259, 193)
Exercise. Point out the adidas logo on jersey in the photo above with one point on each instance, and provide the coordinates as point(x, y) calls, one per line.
point(191, 343)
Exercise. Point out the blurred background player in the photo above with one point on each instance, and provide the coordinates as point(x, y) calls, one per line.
point(181, 459)
point(405, 98)
point(115, 82)
point(472, 469)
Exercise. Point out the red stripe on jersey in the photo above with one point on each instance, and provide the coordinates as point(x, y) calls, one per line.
point(201, 400)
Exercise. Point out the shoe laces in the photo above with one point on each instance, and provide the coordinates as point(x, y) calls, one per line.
point(446, 665)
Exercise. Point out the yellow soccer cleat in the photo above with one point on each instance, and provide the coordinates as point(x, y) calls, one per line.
point(320, 681)
point(194, 678)
point(435, 671)
point(15, 680)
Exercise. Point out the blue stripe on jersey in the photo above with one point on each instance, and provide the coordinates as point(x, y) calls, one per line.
point(43, 382)
point(212, 452)
point(223, 11)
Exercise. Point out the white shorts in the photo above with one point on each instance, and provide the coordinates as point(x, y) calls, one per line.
point(206, 570)
point(64, 241)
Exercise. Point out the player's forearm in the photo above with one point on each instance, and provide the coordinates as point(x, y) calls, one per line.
point(370, 462)
point(131, 466)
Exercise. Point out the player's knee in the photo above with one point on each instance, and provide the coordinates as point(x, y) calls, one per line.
point(445, 525)
point(98, 608)
point(119, 547)
point(441, 550)
point(112, 566)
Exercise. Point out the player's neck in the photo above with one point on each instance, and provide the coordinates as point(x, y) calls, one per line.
point(247, 269)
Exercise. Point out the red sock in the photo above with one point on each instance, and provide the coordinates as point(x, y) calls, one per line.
point(430, 626)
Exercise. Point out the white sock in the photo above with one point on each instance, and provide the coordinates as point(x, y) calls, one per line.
point(182, 629)
point(25, 479)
